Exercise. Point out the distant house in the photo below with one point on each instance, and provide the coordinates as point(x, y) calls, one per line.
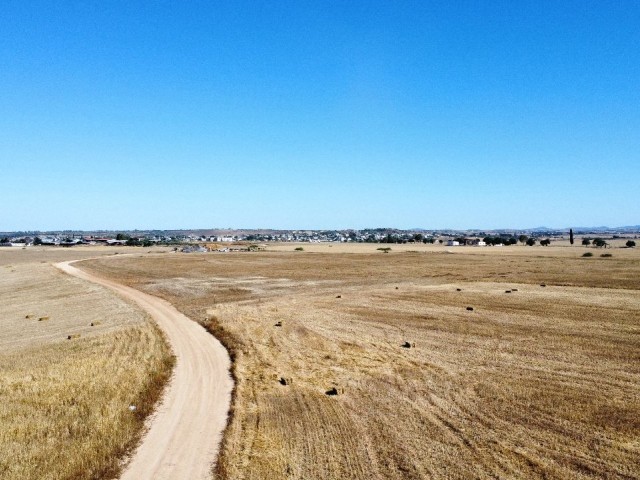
point(477, 242)
point(452, 243)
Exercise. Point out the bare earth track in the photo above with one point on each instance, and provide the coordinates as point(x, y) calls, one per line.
point(184, 434)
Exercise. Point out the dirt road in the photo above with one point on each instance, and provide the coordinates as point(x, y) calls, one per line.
point(184, 433)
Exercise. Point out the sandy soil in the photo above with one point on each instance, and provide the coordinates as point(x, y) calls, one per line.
point(184, 434)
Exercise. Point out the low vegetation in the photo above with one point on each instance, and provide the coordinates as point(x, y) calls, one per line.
point(418, 365)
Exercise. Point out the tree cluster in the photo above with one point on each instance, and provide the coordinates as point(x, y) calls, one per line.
point(500, 240)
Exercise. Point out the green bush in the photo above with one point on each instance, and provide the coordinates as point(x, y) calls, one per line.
point(588, 254)
point(299, 249)
point(606, 255)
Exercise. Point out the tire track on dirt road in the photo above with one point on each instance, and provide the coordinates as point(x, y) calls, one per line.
point(184, 433)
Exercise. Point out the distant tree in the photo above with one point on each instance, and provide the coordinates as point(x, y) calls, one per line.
point(586, 242)
point(147, 243)
point(4, 240)
point(531, 242)
point(441, 241)
point(122, 236)
point(133, 242)
point(511, 241)
point(599, 242)
point(630, 243)
point(523, 239)
point(37, 241)
point(545, 242)
point(418, 237)
point(571, 236)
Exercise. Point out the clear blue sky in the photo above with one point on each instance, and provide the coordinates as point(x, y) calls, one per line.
point(293, 114)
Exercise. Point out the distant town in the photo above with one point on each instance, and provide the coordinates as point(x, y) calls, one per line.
point(536, 236)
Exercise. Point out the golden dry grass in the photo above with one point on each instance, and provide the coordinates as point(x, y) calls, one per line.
point(542, 382)
point(64, 404)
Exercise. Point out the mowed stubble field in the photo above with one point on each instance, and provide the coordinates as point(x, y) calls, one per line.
point(542, 382)
point(64, 404)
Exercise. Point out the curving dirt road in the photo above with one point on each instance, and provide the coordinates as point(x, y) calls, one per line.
point(184, 433)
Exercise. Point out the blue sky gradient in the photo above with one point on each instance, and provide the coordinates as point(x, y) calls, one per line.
point(468, 114)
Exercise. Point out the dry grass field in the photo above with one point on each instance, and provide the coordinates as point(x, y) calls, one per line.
point(64, 403)
point(541, 382)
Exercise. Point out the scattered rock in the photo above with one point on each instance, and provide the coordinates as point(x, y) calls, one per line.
point(408, 345)
point(470, 309)
point(514, 289)
point(458, 289)
point(338, 296)
point(278, 324)
point(507, 291)
point(396, 288)
point(542, 285)
point(284, 381)
point(132, 408)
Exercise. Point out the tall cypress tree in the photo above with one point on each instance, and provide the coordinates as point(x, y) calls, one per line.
point(571, 236)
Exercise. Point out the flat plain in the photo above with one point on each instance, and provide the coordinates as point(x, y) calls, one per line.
point(73, 358)
point(514, 362)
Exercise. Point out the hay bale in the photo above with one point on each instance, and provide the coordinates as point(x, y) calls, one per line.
point(514, 289)
point(543, 285)
point(333, 391)
point(95, 324)
point(284, 381)
point(470, 309)
point(396, 288)
point(72, 336)
point(458, 289)
point(507, 291)
point(29, 315)
point(338, 296)
point(43, 319)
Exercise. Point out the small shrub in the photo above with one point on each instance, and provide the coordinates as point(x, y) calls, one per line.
point(588, 254)
point(299, 249)
point(384, 249)
point(606, 255)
